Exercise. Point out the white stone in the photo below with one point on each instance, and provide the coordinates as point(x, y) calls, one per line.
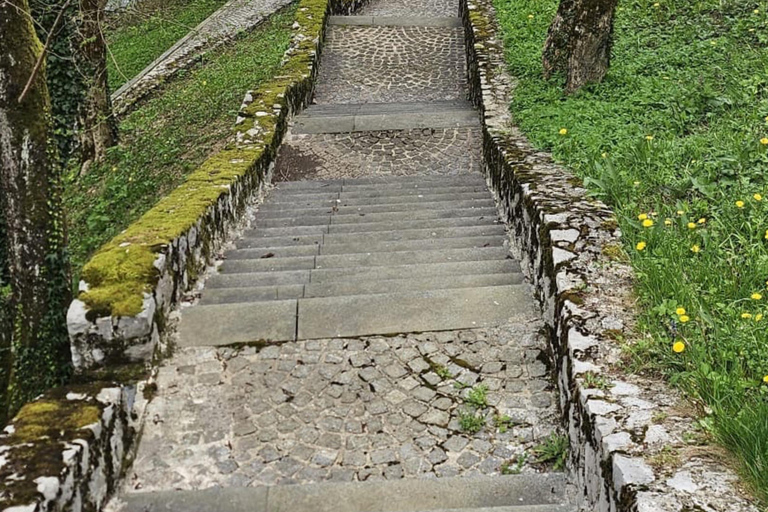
point(48, 486)
point(616, 442)
point(622, 388)
point(682, 481)
point(139, 326)
point(76, 321)
point(630, 471)
point(561, 255)
point(601, 408)
point(580, 367)
point(657, 435)
point(564, 235)
point(76, 396)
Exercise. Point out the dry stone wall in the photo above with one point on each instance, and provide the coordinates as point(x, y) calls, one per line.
point(630, 437)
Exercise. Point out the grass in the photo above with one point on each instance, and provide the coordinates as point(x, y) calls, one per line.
point(554, 449)
point(141, 33)
point(676, 141)
point(169, 136)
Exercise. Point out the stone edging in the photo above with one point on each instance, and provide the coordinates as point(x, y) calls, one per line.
point(131, 284)
point(621, 427)
point(65, 450)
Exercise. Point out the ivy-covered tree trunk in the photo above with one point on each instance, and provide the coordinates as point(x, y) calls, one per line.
point(579, 42)
point(96, 124)
point(34, 252)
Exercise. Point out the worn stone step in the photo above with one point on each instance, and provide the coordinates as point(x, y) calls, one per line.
point(413, 234)
point(376, 259)
point(244, 280)
point(272, 252)
point(282, 203)
point(498, 493)
point(227, 324)
point(414, 245)
point(236, 266)
point(396, 21)
point(360, 218)
point(448, 269)
point(369, 227)
point(417, 311)
point(275, 213)
point(279, 196)
point(279, 241)
point(360, 287)
point(389, 181)
point(351, 109)
point(251, 294)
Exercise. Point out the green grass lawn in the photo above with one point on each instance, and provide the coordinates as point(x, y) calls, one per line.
point(140, 34)
point(676, 141)
point(169, 136)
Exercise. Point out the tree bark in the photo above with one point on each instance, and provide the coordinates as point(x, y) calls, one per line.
point(34, 252)
point(579, 42)
point(96, 124)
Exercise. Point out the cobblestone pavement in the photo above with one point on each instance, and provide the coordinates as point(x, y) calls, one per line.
point(386, 153)
point(392, 64)
point(231, 19)
point(347, 409)
point(442, 8)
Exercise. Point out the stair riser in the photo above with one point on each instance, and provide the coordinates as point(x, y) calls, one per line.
point(386, 208)
point(414, 245)
point(320, 220)
point(414, 234)
point(281, 197)
point(331, 202)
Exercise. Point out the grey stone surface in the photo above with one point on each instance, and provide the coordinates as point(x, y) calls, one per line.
point(275, 415)
point(410, 8)
point(238, 323)
point(391, 64)
point(397, 21)
point(359, 287)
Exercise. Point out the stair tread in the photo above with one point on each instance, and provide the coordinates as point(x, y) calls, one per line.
point(273, 212)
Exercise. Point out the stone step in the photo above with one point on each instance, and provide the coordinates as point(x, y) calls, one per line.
point(351, 109)
point(409, 8)
point(504, 493)
point(377, 181)
point(382, 116)
point(272, 252)
point(353, 315)
point(279, 196)
point(414, 245)
point(276, 213)
point(370, 259)
point(358, 218)
point(396, 21)
point(252, 294)
point(414, 234)
point(251, 279)
point(369, 227)
point(360, 287)
point(279, 241)
point(448, 269)
point(331, 200)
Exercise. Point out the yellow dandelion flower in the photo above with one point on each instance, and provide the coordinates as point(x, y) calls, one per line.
point(563, 131)
point(696, 249)
point(667, 222)
point(702, 220)
point(746, 316)
point(758, 317)
point(756, 11)
point(757, 197)
point(678, 347)
point(680, 212)
point(641, 246)
point(766, 234)
point(647, 223)
point(636, 183)
point(765, 379)
point(649, 137)
point(656, 5)
point(604, 155)
point(739, 204)
point(530, 16)
point(684, 319)
point(764, 141)
point(642, 216)
point(756, 296)
point(691, 225)
point(680, 311)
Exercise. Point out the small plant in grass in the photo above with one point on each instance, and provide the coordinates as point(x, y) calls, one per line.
point(478, 396)
point(553, 450)
point(515, 465)
point(442, 371)
point(596, 381)
point(471, 421)
point(503, 423)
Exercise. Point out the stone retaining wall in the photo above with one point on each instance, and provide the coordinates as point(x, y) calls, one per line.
point(629, 436)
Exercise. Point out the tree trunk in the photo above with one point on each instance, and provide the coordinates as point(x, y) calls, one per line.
point(96, 124)
point(579, 42)
point(34, 253)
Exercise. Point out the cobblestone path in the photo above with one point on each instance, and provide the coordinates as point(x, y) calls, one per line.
point(379, 201)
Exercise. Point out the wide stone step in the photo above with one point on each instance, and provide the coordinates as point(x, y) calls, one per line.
point(376, 182)
point(268, 264)
point(252, 294)
point(414, 234)
point(369, 227)
point(272, 252)
point(353, 315)
point(371, 117)
point(358, 218)
point(251, 279)
point(414, 245)
point(457, 268)
point(396, 21)
point(276, 213)
point(280, 196)
point(505, 493)
point(332, 200)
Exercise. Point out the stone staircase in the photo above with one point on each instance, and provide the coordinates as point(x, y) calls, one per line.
point(360, 257)
point(511, 493)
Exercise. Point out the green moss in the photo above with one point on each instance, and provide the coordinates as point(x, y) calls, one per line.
point(49, 417)
point(123, 270)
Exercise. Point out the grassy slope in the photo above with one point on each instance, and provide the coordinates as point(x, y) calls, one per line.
point(139, 35)
point(169, 137)
point(675, 133)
